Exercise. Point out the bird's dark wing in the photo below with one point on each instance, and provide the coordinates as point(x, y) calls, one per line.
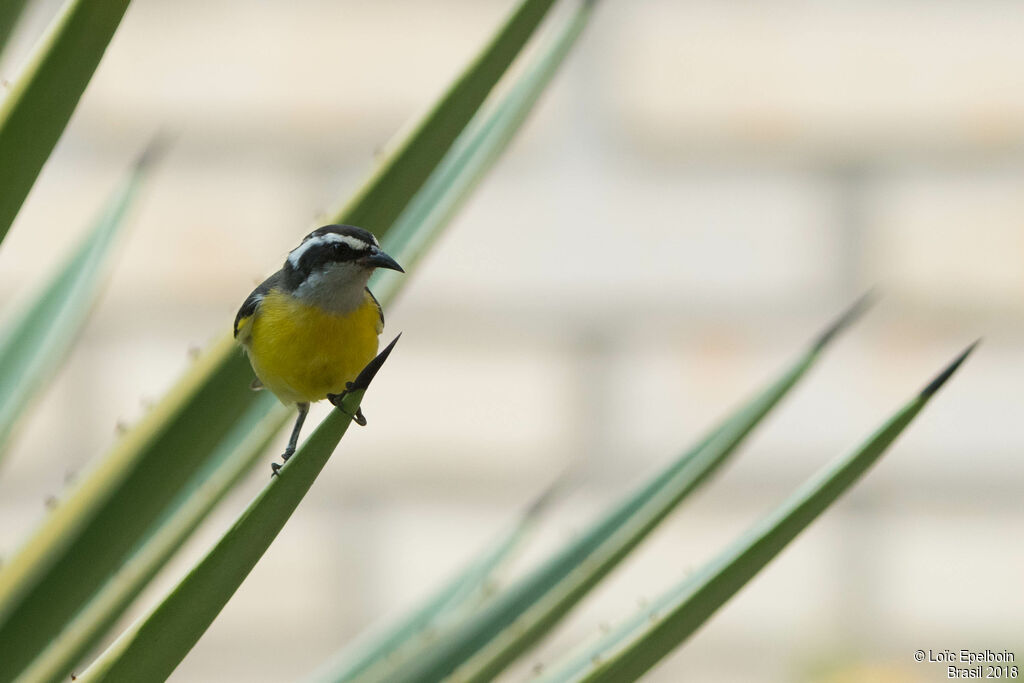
point(243, 319)
point(380, 311)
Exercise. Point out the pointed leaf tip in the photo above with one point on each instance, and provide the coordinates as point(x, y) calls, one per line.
point(848, 317)
point(550, 494)
point(370, 371)
point(156, 149)
point(937, 383)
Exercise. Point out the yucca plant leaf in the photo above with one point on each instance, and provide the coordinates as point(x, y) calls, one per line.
point(479, 648)
point(46, 92)
point(121, 502)
point(478, 148)
point(151, 648)
point(90, 534)
point(406, 635)
point(628, 652)
point(33, 345)
point(472, 155)
point(10, 12)
point(441, 196)
point(414, 160)
point(245, 444)
point(456, 176)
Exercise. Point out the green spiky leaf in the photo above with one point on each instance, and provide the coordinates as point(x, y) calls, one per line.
point(151, 648)
point(472, 155)
point(627, 652)
point(413, 161)
point(244, 446)
point(44, 95)
point(405, 637)
point(457, 175)
point(34, 344)
point(482, 646)
point(123, 500)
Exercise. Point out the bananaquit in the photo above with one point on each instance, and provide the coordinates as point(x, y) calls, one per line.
point(310, 328)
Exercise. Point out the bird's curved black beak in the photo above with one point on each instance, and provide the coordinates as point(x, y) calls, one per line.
point(378, 259)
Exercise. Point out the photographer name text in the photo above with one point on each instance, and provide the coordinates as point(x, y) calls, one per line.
point(967, 663)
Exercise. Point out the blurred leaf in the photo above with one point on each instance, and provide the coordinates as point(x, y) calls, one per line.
point(88, 536)
point(401, 244)
point(33, 346)
point(628, 652)
point(153, 646)
point(46, 92)
point(406, 244)
point(10, 12)
point(245, 445)
point(413, 160)
point(472, 155)
point(482, 646)
point(475, 152)
point(123, 500)
point(406, 633)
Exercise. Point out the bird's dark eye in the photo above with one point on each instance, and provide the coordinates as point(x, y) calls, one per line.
point(343, 252)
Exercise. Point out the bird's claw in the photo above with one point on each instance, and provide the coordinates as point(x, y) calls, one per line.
point(276, 466)
point(336, 399)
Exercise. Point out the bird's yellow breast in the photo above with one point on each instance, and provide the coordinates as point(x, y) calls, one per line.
point(302, 352)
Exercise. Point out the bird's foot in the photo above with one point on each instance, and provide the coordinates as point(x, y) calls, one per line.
point(276, 466)
point(336, 399)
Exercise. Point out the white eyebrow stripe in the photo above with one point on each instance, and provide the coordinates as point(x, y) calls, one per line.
point(354, 242)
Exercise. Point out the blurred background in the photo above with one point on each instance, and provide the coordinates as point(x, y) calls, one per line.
point(704, 188)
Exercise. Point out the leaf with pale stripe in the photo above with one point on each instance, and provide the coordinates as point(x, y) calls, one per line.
point(626, 653)
point(405, 637)
point(151, 648)
point(122, 501)
point(482, 646)
point(45, 93)
point(33, 345)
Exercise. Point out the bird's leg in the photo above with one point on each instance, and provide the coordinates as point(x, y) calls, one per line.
point(336, 400)
point(293, 441)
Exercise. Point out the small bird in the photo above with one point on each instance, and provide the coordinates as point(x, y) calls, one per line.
point(312, 326)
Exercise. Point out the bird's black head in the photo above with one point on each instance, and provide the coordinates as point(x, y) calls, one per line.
point(339, 249)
